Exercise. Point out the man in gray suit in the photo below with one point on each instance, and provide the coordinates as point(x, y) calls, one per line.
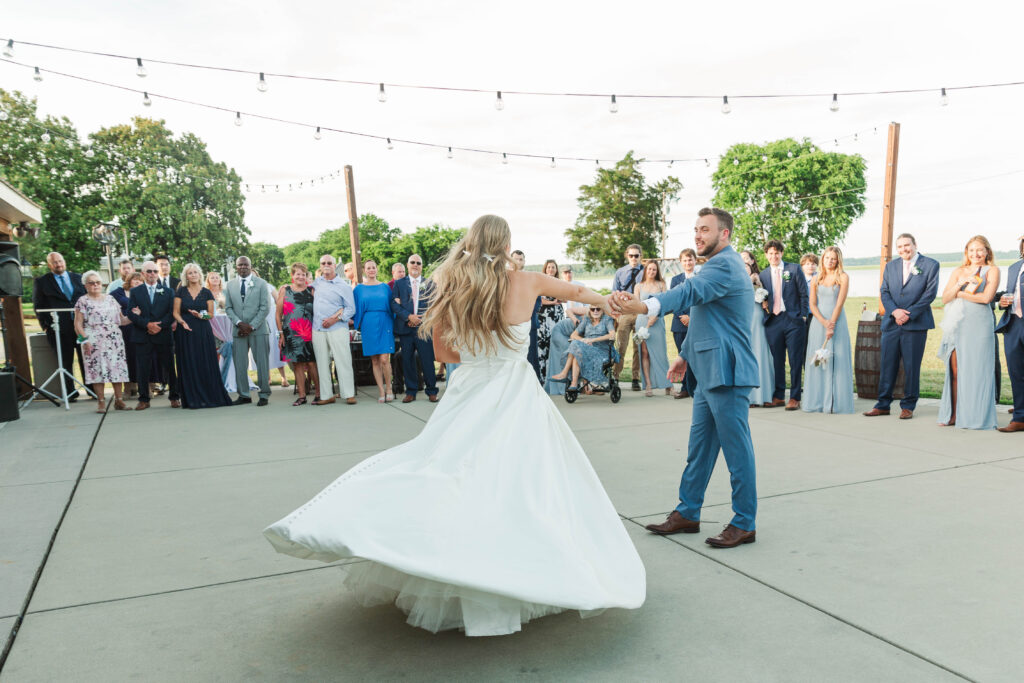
point(247, 305)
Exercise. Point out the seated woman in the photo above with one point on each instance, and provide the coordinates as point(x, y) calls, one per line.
point(558, 353)
point(588, 348)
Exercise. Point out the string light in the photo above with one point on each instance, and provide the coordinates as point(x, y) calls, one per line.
point(45, 137)
point(726, 107)
point(146, 102)
point(552, 162)
point(89, 154)
point(834, 107)
point(317, 135)
point(382, 96)
point(504, 158)
point(735, 162)
point(499, 103)
point(140, 70)
point(262, 85)
point(37, 77)
point(707, 164)
point(450, 155)
point(764, 157)
point(390, 144)
point(9, 49)
point(4, 115)
point(789, 154)
point(613, 106)
point(238, 118)
point(943, 99)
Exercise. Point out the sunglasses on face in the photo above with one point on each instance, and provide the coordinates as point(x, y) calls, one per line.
point(634, 255)
point(595, 310)
point(415, 263)
point(150, 271)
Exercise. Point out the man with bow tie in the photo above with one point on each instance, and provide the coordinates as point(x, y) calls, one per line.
point(151, 310)
point(909, 286)
point(411, 297)
point(60, 288)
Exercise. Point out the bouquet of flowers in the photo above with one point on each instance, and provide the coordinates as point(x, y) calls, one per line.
point(822, 355)
point(760, 294)
point(642, 334)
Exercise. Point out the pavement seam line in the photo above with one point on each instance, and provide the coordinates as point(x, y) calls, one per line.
point(9, 645)
point(816, 608)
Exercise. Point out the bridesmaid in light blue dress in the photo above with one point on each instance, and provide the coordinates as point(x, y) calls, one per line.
point(828, 387)
point(966, 348)
point(654, 351)
point(759, 343)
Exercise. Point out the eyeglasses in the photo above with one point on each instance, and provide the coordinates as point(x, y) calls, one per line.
point(150, 271)
point(632, 255)
point(595, 310)
point(93, 282)
point(415, 263)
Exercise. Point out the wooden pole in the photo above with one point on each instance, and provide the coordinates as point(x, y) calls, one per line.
point(888, 202)
point(353, 224)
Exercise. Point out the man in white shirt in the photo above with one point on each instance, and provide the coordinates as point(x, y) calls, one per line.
point(333, 306)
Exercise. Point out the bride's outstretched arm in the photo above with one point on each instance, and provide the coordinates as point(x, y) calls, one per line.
point(567, 291)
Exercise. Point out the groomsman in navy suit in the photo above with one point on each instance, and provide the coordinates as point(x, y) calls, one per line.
point(1011, 325)
point(785, 323)
point(681, 319)
point(411, 297)
point(909, 285)
point(151, 310)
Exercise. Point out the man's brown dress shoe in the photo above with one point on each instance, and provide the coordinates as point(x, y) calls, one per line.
point(142, 405)
point(323, 402)
point(793, 405)
point(906, 414)
point(875, 412)
point(731, 537)
point(175, 404)
point(774, 403)
point(351, 400)
point(681, 394)
point(1013, 427)
point(409, 398)
point(434, 398)
point(675, 523)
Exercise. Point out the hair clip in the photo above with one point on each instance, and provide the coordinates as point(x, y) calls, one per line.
point(465, 252)
point(489, 257)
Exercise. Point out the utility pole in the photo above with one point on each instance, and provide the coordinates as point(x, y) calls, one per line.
point(353, 225)
point(888, 202)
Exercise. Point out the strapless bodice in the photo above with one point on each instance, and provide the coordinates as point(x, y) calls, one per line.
point(521, 335)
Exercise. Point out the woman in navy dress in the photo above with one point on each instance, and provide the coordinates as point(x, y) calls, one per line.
point(375, 321)
point(120, 294)
point(198, 369)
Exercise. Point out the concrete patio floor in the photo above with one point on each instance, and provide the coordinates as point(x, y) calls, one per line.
point(887, 550)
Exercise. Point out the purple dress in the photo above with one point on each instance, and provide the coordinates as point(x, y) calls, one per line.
point(101, 320)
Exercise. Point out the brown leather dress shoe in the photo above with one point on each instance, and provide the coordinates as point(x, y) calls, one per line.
point(906, 414)
point(142, 405)
point(675, 523)
point(774, 403)
point(409, 398)
point(322, 402)
point(175, 404)
point(681, 394)
point(793, 405)
point(434, 398)
point(351, 400)
point(1013, 427)
point(731, 537)
point(875, 412)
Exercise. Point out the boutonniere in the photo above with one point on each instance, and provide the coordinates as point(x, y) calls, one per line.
point(914, 270)
point(786, 276)
point(159, 290)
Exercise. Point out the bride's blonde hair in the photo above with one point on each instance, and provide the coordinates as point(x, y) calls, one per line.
point(470, 288)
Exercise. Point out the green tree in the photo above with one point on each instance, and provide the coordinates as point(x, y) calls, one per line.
point(617, 210)
point(782, 190)
point(268, 260)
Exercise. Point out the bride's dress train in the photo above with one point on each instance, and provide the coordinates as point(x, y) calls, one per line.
point(490, 517)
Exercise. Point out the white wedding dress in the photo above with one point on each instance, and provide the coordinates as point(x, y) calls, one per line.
point(492, 516)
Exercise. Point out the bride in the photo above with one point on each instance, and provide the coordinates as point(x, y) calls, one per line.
point(493, 515)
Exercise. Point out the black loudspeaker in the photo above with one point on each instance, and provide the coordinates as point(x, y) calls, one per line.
point(10, 269)
point(8, 397)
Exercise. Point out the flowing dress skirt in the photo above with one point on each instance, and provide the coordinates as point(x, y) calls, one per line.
point(975, 378)
point(766, 365)
point(828, 388)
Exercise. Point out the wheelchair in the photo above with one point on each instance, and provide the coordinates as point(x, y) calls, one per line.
point(610, 385)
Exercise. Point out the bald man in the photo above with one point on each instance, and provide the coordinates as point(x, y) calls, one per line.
point(60, 288)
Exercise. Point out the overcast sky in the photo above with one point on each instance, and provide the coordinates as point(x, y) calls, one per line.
point(640, 47)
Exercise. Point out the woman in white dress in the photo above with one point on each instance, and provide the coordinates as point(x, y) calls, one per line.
point(502, 518)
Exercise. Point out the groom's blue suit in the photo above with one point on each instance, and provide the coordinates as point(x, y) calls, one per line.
point(717, 347)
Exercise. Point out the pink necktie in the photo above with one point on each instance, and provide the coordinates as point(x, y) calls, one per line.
point(777, 289)
point(906, 271)
point(1016, 300)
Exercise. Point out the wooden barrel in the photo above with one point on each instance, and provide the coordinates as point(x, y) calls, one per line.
point(867, 360)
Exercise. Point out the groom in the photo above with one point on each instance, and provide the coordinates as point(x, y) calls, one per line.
point(717, 347)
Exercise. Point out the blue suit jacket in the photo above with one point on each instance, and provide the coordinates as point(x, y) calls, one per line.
point(1012, 277)
point(403, 308)
point(916, 296)
point(160, 311)
point(717, 345)
point(678, 327)
point(46, 293)
point(794, 292)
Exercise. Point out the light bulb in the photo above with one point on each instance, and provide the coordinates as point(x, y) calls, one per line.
point(834, 107)
point(504, 158)
point(188, 180)
point(277, 188)
point(37, 76)
point(140, 70)
point(789, 154)
point(613, 106)
point(813, 150)
point(4, 115)
point(382, 96)
point(89, 154)
point(146, 102)
point(944, 98)
point(726, 107)
point(317, 135)
point(9, 49)
point(735, 162)
point(390, 144)
point(764, 157)
point(499, 103)
point(238, 118)
point(670, 162)
point(263, 188)
point(45, 137)
point(450, 155)
point(262, 85)
point(552, 162)
point(707, 163)
point(207, 184)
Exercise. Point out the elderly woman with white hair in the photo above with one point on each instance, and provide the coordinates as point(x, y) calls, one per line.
point(98, 323)
point(198, 370)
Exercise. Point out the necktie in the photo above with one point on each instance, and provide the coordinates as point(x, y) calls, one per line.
point(65, 286)
point(906, 271)
point(150, 294)
point(416, 296)
point(777, 290)
point(243, 288)
point(1020, 293)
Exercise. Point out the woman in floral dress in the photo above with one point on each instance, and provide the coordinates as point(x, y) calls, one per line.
point(98, 322)
point(551, 312)
point(295, 325)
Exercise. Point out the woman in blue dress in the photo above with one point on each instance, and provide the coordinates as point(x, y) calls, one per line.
point(966, 347)
point(375, 321)
point(828, 365)
point(198, 369)
point(588, 349)
point(762, 394)
point(649, 334)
